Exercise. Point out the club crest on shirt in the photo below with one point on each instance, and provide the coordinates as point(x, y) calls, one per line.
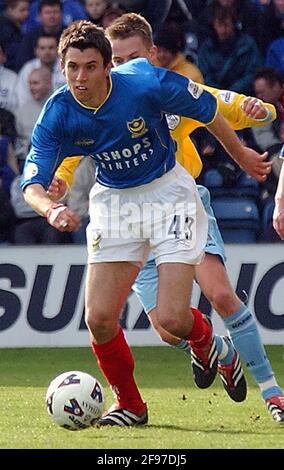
point(30, 170)
point(194, 89)
point(173, 121)
point(137, 127)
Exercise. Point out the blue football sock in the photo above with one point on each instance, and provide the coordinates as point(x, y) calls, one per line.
point(246, 339)
point(225, 350)
point(184, 346)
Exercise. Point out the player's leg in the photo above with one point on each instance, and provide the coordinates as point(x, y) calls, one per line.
point(113, 354)
point(176, 251)
point(187, 323)
point(146, 288)
point(114, 262)
point(214, 283)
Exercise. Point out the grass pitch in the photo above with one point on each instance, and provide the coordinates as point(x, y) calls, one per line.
point(180, 415)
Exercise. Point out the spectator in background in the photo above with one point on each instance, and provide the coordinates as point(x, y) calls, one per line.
point(8, 163)
point(95, 10)
point(11, 20)
point(230, 58)
point(7, 84)
point(111, 14)
point(185, 8)
point(185, 20)
point(275, 56)
point(46, 56)
point(30, 228)
point(170, 41)
point(7, 124)
point(272, 23)
point(155, 11)
point(268, 86)
point(72, 10)
point(248, 18)
point(51, 16)
point(40, 87)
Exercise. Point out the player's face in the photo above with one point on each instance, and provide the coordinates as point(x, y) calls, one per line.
point(86, 75)
point(130, 48)
point(266, 92)
point(46, 50)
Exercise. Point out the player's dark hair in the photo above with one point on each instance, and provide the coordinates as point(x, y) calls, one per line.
point(224, 14)
point(49, 3)
point(84, 35)
point(171, 37)
point(128, 25)
point(270, 75)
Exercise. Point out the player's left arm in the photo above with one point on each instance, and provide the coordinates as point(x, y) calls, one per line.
point(67, 168)
point(242, 111)
point(249, 160)
point(256, 112)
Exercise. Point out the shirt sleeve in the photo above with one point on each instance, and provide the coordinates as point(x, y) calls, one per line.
point(180, 95)
point(230, 106)
point(43, 158)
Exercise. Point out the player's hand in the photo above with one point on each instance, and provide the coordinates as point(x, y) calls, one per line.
point(278, 219)
point(254, 108)
point(255, 164)
point(63, 218)
point(57, 189)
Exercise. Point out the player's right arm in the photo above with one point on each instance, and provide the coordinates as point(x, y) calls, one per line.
point(58, 215)
point(186, 98)
point(248, 159)
point(41, 163)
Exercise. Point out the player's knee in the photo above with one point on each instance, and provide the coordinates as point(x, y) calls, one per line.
point(99, 323)
point(223, 300)
point(171, 322)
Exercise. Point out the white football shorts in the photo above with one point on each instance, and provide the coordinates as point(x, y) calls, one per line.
point(165, 216)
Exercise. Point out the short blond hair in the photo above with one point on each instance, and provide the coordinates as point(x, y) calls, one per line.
point(128, 25)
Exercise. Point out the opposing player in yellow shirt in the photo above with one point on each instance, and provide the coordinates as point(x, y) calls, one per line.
point(131, 37)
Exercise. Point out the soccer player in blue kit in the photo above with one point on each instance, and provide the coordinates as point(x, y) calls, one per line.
point(119, 120)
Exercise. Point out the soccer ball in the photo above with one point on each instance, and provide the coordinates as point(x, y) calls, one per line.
point(75, 400)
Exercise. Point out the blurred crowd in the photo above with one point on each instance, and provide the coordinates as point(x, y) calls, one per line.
point(227, 44)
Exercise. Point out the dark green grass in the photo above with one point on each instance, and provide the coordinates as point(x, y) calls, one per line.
point(181, 416)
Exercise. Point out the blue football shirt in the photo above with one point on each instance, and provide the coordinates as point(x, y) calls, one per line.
point(128, 136)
